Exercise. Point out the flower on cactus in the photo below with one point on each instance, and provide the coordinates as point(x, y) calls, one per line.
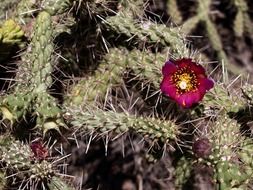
point(39, 151)
point(185, 81)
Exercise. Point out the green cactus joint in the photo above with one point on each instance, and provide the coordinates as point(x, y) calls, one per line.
point(11, 35)
point(146, 65)
point(183, 172)
point(148, 32)
point(227, 148)
point(57, 183)
point(219, 98)
point(20, 159)
point(56, 7)
point(30, 94)
point(247, 91)
point(119, 123)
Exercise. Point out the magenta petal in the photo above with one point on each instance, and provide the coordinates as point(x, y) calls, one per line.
point(198, 69)
point(205, 84)
point(183, 62)
point(169, 68)
point(168, 88)
point(188, 99)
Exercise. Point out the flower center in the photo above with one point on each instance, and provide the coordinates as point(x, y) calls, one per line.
point(185, 80)
point(183, 85)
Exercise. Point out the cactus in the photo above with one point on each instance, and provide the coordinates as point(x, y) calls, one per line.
point(25, 10)
point(212, 33)
point(2, 180)
point(57, 183)
point(220, 98)
point(183, 172)
point(98, 120)
point(225, 153)
point(135, 87)
point(35, 76)
point(149, 32)
point(247, 90)
point(11, 35)
point(56, 7)
point(174, 12)
point(242, 21)
point(110, 72)
point(19, 159)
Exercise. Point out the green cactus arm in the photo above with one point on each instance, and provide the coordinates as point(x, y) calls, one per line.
point(39, 62)
point(57, 183)
point(212, 33)
point(248, 24)
point(183, 172)
point(245, 153)
point(40, 57)
point(24, 11)
point(190, 24)
point(11, 32)
point(174, 12)
point(3, 181)
point(55, 7)
point(247, 90)
point(149, 32)
point(240, 22)
point(18, 158)
point(220, 98)
point(226, 157)
point(93, 119)
point(111, 70)
point(15, 154)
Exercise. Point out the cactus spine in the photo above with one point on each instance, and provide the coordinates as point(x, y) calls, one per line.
point(106, 121)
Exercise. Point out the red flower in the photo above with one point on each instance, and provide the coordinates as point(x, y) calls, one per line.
point(39, 151)
point(185, 81)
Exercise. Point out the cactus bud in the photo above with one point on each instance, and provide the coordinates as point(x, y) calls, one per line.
point(202, 147)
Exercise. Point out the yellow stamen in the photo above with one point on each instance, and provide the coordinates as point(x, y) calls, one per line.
point(185, 80)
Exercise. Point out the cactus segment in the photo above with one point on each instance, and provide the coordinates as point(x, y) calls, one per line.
point(57, 183)
point(18, 157)
point(230, 168)
point(11, 33)
point(219, 99)
point(106, 121)
point(149, 32)
point(56, 7)
point(30, 94)
point(110, 73)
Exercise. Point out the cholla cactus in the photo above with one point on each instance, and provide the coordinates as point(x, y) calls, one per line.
point(19, 160)
point(11, 35)
point(34, 80)
point(137, 60)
